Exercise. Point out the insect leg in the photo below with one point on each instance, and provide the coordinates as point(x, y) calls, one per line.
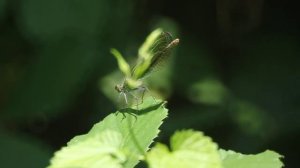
point(137, 100)
point(143, 93)
point(125, 97)
point(119, 97)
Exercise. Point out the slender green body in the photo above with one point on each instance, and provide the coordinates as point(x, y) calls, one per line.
point(151, 57)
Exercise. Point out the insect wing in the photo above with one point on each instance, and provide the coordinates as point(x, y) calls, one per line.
point(160, 57)
point(157, 52)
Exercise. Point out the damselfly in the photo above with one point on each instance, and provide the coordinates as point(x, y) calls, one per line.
point(152, 54)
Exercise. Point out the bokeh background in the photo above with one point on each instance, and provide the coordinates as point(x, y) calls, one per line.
point(235, 74)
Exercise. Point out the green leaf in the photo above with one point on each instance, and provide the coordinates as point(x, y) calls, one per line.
point(189, 149)
point(267, 159)
point(132, 131)
point(100, 150)
point(123, 65)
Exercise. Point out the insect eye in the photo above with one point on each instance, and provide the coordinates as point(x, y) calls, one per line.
point(118, 88)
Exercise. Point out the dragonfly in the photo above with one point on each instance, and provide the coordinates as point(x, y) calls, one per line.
point(152, 54)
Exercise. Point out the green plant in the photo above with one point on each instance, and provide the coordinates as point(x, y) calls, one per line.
point(123, 138)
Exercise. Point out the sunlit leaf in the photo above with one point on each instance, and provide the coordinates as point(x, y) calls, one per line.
point(267, 159)
point(189, 149)
point(100, 150)
point(121, 138)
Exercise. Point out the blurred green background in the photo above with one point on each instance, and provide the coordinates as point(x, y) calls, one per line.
point(235, 74)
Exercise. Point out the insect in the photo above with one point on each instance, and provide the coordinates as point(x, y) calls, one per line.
point(151, 56)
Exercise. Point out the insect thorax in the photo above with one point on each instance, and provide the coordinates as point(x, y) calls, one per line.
point(123, 88)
